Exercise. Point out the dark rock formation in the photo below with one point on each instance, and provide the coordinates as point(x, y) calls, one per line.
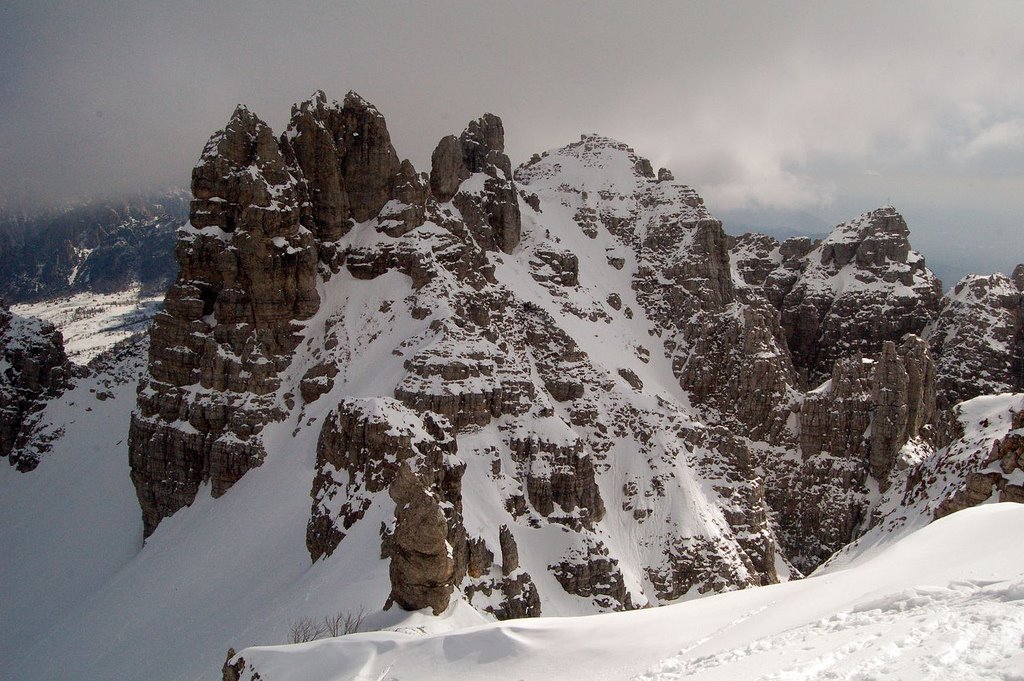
point(853, 426)
point(767, 267)
point(735, 362)
point(369, 163)
point(315, 142)
point(422, 571)
point(33, 369)
point(247, 275)
point(590, 573)
point(490, 207)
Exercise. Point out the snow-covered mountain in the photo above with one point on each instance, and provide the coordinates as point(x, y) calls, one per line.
point(479, 393)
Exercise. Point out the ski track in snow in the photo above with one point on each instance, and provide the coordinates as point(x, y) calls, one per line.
point(961, 631)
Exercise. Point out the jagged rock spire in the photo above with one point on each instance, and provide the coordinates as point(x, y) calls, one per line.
point(368, 160)
point(491, 213)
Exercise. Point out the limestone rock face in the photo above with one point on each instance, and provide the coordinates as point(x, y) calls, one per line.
point(247, 275)
point(447, 168)
point(422, 569)
point(736, 362)
point(314, 142)
point(766, 267)
point(861, 286)
point(854, 425)
point(977, 337)
point(490, 203)
point(892, 397)
point(369, 163)
point(33, 368)
point(351, 467)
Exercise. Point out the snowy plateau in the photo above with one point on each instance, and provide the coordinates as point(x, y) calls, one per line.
point(545, 422)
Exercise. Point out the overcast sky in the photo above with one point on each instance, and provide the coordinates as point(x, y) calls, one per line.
point(828, 108)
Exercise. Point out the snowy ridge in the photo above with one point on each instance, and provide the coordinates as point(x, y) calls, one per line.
point(946, 601)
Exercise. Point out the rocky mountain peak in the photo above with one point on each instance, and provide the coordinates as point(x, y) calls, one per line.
point(490, 203)
point(859, 287)
point(598, 162)
point(483, 146)
point(869, 240)
point(1018, 277)
point(978, 337)
point(490, 383)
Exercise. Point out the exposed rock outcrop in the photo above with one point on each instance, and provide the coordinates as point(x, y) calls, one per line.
point(33, 369)
point(422, 567)
point(489, 204)
point(861, 286)
point(978, 337)
point(247, 276)
point(853, 426)
point(998, 478)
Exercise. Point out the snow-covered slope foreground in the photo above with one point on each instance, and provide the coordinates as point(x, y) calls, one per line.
point(944, 602)
point(93, 322)
point(73, 522)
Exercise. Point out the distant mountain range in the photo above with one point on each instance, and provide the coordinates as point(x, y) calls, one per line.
point(99, 246)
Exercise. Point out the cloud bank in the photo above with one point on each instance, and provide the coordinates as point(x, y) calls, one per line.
point(818, 106)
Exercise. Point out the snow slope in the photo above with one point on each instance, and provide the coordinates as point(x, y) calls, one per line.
point(74, 520)
point(945, 602)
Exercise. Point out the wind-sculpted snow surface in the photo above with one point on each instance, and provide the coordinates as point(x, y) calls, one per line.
point(944, 602)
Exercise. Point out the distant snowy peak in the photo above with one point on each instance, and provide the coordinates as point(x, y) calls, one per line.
point(610, 172)
point(860, 286)
point(978, 336)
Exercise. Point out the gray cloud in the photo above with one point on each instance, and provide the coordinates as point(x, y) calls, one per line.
point(828, 107)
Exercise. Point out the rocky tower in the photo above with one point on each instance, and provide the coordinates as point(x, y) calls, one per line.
point(247, 274)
